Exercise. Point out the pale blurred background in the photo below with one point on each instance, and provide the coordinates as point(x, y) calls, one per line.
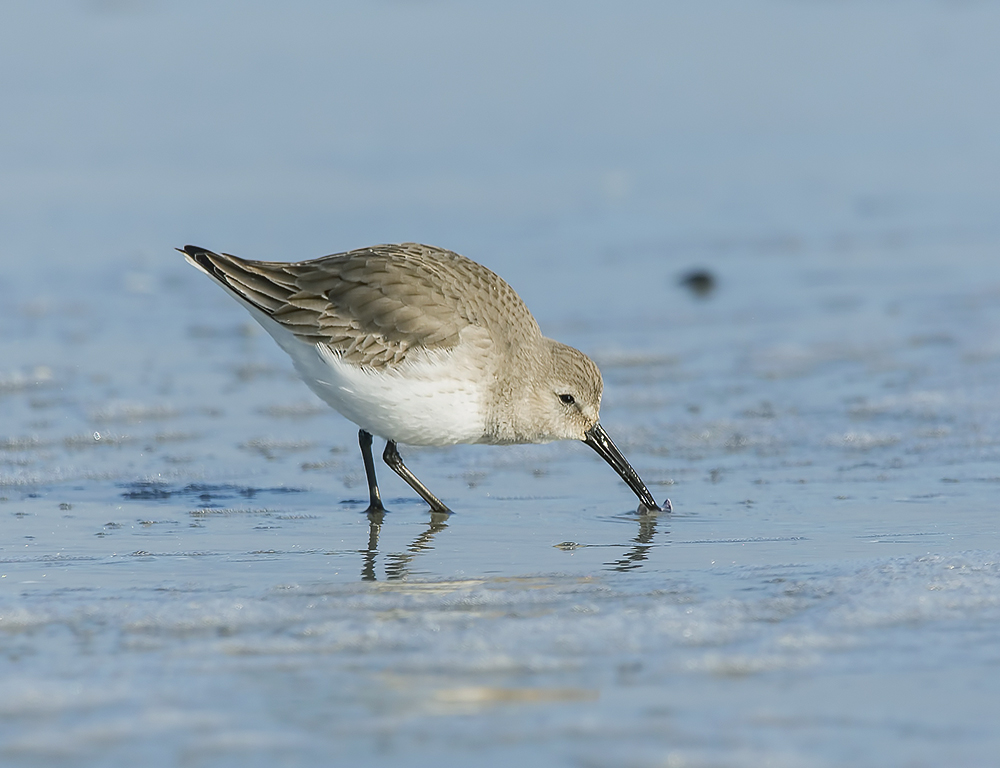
point(132, 126)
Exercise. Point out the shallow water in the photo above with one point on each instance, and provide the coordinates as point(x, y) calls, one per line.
point(187, 575)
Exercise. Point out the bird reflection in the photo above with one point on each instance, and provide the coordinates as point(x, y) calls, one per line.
point(397, 563)
point(638, 554)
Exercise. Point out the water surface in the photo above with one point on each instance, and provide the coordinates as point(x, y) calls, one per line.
point(187, 575)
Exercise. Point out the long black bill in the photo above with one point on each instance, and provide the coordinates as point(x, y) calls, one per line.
point(598, 439)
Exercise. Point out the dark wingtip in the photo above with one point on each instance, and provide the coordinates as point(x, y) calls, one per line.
point(209, 262)
point(200, 257)
point(194, 252)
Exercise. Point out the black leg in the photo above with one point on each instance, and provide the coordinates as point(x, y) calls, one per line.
point(395, 461)
point(365, 441)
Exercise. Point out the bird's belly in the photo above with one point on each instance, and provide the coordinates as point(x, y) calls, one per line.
point(423, 405)
point(432, 401)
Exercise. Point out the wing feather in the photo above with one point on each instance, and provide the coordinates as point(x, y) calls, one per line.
point(375, 306)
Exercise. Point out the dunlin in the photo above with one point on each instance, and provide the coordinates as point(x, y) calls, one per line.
point(422, 346)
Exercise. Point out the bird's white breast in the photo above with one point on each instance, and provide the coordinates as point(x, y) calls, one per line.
point(432, 398)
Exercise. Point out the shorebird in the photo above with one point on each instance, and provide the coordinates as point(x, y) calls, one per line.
point(422, 346)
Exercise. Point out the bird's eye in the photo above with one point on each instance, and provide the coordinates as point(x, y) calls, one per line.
point(567, 399)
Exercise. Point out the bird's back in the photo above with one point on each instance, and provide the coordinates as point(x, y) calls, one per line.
point(376, 306)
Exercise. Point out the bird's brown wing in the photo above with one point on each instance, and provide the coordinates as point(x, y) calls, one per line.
point(374, 305)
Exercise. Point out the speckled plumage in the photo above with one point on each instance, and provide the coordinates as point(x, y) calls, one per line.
point(376, 305)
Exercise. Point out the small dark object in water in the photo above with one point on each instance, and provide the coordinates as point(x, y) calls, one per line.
point(700, 282)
